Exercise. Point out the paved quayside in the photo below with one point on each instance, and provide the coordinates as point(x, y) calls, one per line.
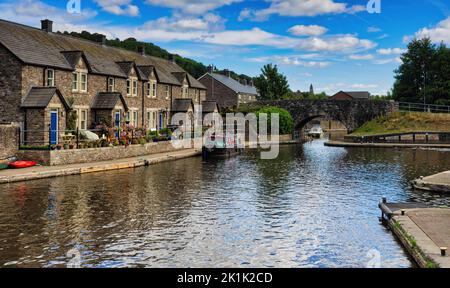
point(39, 172)
point(437, 183)
point(424, 232)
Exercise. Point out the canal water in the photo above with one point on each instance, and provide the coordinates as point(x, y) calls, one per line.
point(314, 206)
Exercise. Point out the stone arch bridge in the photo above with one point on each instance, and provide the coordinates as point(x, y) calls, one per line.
point(351, 113)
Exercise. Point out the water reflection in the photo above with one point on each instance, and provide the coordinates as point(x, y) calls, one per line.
point(313, 206)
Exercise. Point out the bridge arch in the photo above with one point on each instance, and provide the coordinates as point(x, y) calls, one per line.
point(351, 113)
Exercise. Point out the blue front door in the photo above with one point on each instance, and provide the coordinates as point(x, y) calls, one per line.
point(54, 127)
point(117, 123)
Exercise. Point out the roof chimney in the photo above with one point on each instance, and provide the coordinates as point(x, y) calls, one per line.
point(210, 69)
point(251, 83)
point(172, 58)
point(47, 25)
point(244, 81)
point(101, 39)
point(141, 50)
point(227, 73)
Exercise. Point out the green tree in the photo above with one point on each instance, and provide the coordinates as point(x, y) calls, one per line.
point(271, 84)
point(286, 121)
point(424, 75)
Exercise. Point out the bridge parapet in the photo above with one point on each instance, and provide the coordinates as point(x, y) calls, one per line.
point(351, 113)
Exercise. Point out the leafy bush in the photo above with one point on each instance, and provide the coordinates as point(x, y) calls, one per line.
point(286, 120)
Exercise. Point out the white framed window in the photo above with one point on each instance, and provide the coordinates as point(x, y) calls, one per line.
point(167, 91)
point(50, 77)
point(79, 81)
point(128, 87)
point(152, 119)
point(132, 117)
point(134, 87)
point(75, 82)
point(83, 119)
point(111, 84)
point(185, 92)
point(151, 89)
point(135, 118)
point(83, 82)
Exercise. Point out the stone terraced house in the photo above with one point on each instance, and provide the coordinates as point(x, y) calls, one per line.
point(44, 74)
point(226, 91)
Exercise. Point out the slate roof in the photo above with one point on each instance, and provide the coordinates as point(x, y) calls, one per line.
point(40, 97)
point(209, 106)
point(234, 85)
point(358, 94)
point(37, 47)
point(182, 105)
point(108, 100)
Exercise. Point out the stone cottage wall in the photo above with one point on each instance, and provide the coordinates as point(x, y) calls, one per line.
point(9, 140)
point(10, 92)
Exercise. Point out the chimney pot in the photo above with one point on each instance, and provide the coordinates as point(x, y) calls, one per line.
point(47, 25)
point(172, 58)
point(227, 73)
point(101, 39)
point(210, 69)
point(141, 50)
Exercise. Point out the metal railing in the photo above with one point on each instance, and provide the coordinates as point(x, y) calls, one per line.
point(420, 107)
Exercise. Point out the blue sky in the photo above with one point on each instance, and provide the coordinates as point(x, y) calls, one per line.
point(333, 44)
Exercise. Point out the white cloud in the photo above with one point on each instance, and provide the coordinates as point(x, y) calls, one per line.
point(118, 7)
point(29, 12)
point(363, 86)
point(343, 43)
point(361, 57)
point(397, 60)
point(310, 30)
point(195, 7)
point(390, 51)
point(438, 33)
point(301, 8)
point(373, 29)
point(295, 60)
point(209, 22)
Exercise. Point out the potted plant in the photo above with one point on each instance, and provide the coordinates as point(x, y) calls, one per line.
point(71, 146)
point(59, 147)
point(66, 146)
point(52, 147)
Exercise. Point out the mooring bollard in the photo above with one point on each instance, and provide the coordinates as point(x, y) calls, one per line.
point(384, 200)
point(403, 212)
point(443, 251)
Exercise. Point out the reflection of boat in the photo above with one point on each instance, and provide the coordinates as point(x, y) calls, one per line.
point(316, 131)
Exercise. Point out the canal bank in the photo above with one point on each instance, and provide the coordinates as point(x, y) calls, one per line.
point(385, 145)
point(424, 232)
point(438, 183)
point(41, 172)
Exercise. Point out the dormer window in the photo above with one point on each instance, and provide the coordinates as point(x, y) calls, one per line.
point(79, 81)
point(132, 87)
point(128, 87)
point(185, 91)
point(50, 77)
point(111, 84)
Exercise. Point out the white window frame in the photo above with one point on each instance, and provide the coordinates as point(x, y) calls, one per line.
point(111, 84)
point(85, 83)
point(132, 117)
point(134, 87)
point(152, 119)
point(48, 78)
point(152, 89)
point(75, 81)
point(167, 91)
point(185, 91)
point(129, 87)
point(80, 111)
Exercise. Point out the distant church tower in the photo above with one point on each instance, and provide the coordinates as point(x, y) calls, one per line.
point(311, 90)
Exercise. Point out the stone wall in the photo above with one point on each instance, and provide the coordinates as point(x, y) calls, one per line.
point(224, 96)
point(352, 114)
point(64, 157)
point(9, 140)
point(10, 93)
